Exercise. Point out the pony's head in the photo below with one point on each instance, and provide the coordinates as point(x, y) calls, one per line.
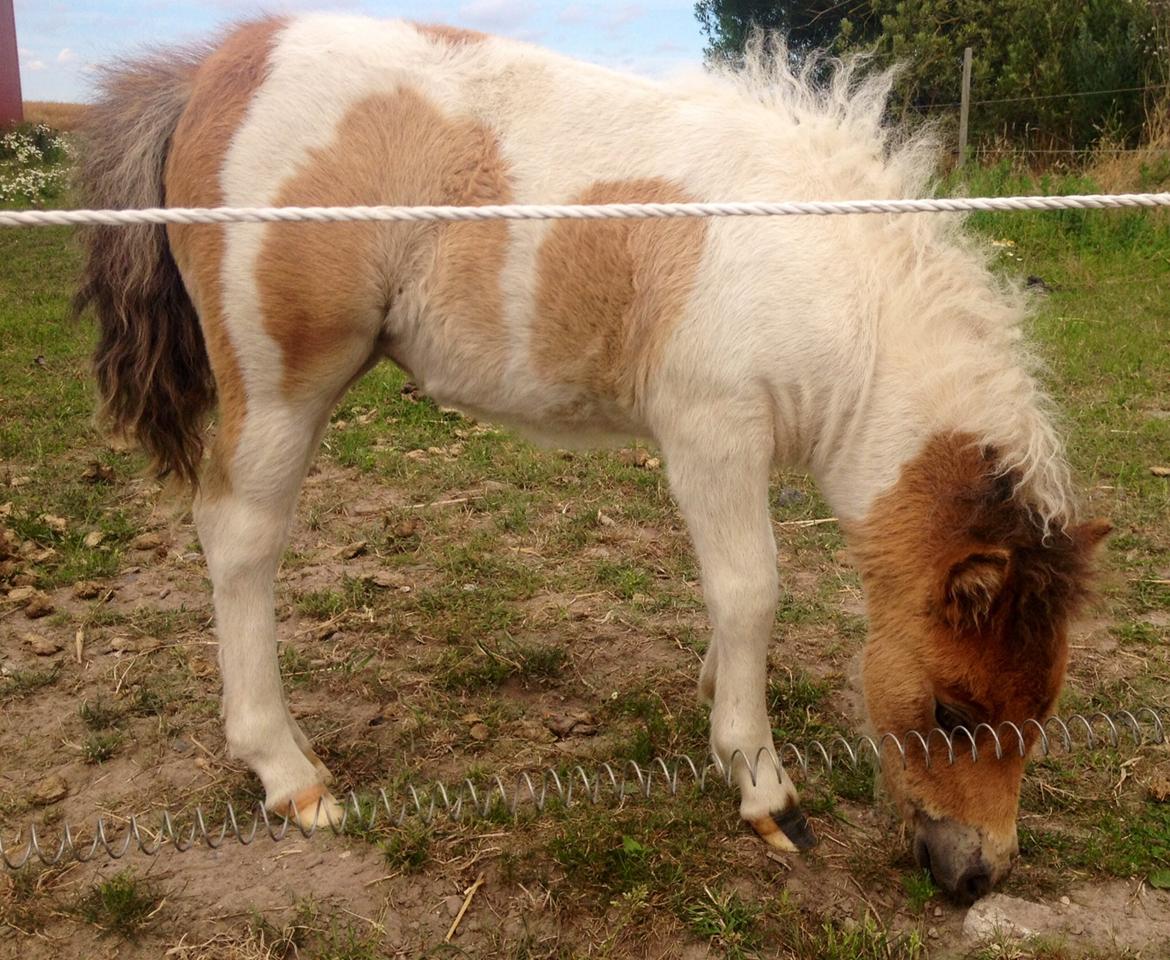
point(969, 594)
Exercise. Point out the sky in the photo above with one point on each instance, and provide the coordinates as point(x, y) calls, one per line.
point(60, 40)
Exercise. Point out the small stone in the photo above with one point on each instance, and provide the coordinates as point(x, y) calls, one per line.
point(534, 731)
point(97, 472)
point(49, 790)
point(405, 529)
point(575, 723)
point(42, 646)
point(351, 550)
point(385, 579)
point(93, 538)
point(1065, 901)
point(39, 605)
point(1160, 471)
point(146, 541)
point(938, 911)
point(86, 589)
point(480, 732)
point(998, 915)
point(639, 457)
point(932, 932)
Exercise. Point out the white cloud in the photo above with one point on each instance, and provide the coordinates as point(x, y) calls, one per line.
point(497, 14)
point(66, 56)
point(35, 65)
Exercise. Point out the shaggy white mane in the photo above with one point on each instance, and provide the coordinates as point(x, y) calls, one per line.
point(930, 277)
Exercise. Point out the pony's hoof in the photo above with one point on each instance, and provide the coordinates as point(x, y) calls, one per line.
point(786, 830)
point(313, 807)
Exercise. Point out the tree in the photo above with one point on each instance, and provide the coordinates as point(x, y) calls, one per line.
point(1029, 56)
point(809, 25)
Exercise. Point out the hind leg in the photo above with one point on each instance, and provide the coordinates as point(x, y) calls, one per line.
point(719, 474)
point(243, 514)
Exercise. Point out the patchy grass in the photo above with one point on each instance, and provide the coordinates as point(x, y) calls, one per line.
point(505, 590)
point(123, 905)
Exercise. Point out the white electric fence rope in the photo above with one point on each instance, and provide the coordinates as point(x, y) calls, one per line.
point(604, 211)
point(602, 782)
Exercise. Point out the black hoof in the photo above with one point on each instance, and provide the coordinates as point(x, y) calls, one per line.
point(795, 827)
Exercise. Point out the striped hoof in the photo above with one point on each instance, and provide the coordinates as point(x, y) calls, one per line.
point(314, 806)
point(786, 830)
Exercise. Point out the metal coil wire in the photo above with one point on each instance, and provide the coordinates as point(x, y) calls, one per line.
point(604, 782)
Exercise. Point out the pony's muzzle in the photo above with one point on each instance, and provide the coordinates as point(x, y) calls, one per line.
point(958, 858)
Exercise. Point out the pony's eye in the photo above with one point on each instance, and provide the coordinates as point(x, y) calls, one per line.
point(948, 717)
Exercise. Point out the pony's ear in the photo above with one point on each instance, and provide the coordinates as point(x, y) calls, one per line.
point(972, 586)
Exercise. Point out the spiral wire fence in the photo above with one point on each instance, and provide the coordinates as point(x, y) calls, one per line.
point(606, 782)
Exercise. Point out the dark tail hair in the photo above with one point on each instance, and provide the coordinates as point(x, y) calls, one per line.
point(151, 364)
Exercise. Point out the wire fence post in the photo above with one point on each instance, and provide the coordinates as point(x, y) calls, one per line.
point(964, 106)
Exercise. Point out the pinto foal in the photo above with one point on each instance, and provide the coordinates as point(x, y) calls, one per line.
point(875, 352)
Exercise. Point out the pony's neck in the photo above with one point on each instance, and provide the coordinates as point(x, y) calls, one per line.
point(902, 411)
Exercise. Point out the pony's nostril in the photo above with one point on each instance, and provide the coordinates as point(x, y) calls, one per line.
point(975, 883)
point(922, 853)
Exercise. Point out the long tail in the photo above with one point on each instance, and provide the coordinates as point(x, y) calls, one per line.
point(151, 364)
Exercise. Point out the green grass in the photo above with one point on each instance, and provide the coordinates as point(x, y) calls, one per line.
point(100, 747)
point(99, 715)
point(489, 665)
point(123, 904)
point(920, 889)
point(23, 682)
point(727, 921)
point(524, 567)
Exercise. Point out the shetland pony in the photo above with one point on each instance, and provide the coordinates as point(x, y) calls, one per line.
point(876, 352)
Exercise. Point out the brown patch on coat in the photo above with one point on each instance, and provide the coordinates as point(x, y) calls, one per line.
point(328, 290)
point(222, 91)
point(610, 292)
point(969, 603)
point(454, 36)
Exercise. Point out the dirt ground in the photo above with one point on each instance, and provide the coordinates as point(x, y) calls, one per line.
point(137, 650)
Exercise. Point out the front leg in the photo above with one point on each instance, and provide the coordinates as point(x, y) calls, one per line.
point(720, 479)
